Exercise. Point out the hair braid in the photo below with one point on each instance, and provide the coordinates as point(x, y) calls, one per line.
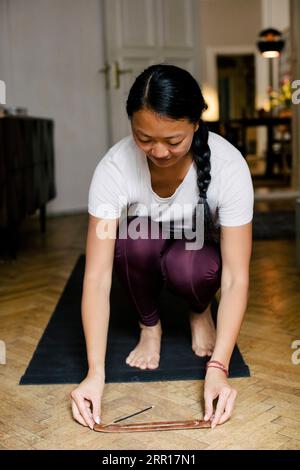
point(201, 156)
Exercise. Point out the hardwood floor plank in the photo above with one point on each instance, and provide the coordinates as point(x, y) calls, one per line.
point(266, 415)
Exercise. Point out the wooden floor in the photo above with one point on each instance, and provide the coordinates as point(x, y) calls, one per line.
point(267, 411)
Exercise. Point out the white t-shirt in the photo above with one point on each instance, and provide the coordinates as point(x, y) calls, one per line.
point(122, 181)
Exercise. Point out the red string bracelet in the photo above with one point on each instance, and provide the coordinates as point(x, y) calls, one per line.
point(217, 365)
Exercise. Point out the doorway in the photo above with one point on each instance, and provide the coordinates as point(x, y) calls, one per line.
point(236, 72)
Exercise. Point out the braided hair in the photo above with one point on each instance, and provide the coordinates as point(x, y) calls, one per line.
point(173, 92)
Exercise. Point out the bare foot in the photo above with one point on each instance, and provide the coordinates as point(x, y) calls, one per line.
point(146, 354)
point(203, 333)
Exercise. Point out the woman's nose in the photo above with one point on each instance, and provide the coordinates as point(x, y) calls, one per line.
point(159, 151)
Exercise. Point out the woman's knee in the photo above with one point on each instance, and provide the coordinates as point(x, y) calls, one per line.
point(137, 241)
point(191, 268)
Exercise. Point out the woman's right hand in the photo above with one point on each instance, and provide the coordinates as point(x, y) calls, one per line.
point(86, 400)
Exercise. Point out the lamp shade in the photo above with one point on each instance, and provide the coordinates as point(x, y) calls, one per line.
point(270, 43)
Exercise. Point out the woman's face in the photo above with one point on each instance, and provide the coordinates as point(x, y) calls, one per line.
point(164, 140)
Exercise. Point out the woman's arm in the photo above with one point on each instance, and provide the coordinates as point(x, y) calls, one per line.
point(96, 291)
point(95, 308)
point(236, 248)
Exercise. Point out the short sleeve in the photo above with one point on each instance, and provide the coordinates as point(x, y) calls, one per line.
point(236, 193)
point(107, 192)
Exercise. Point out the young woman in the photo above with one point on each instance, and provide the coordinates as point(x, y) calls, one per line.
point(170, 160)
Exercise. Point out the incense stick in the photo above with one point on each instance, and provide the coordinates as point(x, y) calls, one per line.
point(130, 416)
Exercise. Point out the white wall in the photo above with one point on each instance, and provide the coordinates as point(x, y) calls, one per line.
point(50, 52)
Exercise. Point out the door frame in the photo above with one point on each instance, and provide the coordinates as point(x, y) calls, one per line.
point(261, 78)
point(211, 60)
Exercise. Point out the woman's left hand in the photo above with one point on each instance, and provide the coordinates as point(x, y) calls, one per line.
point(217, 386)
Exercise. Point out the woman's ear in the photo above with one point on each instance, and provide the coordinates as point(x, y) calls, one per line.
point(196, 128)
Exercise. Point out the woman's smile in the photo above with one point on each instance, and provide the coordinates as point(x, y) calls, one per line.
point(161, 159)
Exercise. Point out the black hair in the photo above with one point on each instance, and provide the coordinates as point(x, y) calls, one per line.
point(170, 91)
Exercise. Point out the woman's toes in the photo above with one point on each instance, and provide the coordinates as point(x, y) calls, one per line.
point(131, 360)
point(201, 352)
point(153, 364)
point(138, 361)
point(142, 365)
point(129, 357)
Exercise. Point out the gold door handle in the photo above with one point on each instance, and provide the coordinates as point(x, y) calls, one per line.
point(105, 70)
point(117, 72)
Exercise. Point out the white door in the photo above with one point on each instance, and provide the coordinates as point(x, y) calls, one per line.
point(140, 33)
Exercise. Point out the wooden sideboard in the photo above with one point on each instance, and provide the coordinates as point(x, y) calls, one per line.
point(27, 172)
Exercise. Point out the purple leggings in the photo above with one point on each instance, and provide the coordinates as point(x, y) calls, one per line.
point(143, 266)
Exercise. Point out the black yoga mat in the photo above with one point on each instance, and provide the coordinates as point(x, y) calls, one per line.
point(60, 356)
